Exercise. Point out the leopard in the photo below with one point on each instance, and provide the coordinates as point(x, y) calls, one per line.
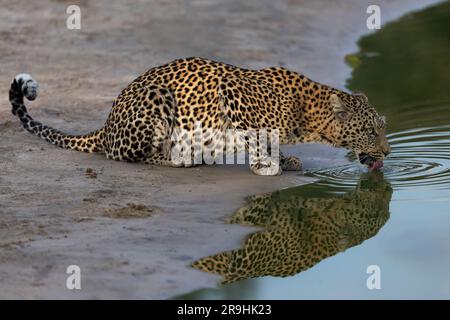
point(299, 231)
point(165, 106)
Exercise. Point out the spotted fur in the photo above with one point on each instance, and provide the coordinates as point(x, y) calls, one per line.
point(219, 96)
point(300, 232)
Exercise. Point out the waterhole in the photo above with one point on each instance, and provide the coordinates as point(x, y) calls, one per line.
point(317, 241)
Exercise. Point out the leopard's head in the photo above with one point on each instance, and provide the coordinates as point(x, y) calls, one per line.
point(358, 127)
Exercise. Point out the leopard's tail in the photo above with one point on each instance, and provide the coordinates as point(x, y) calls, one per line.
point(24, 85)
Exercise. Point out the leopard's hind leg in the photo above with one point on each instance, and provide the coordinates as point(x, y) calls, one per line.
point(140, 128)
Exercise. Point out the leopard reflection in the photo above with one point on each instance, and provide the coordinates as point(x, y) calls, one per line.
point(300, 231)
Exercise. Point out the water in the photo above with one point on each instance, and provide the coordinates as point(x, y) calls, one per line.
point(318, 240)
point(418, 166)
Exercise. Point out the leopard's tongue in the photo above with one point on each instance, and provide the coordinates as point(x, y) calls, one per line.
point(377, 164)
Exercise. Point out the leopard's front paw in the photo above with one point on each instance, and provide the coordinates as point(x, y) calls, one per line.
point(291, 163)
point(266, 168)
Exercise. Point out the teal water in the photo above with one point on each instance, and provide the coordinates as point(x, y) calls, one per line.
point(317, 240)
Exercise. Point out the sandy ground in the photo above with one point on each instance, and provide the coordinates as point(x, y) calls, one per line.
point(134, 229)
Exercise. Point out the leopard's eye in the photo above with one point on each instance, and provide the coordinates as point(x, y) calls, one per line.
point(343, 115)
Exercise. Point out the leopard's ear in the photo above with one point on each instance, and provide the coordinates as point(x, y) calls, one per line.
point(361, 95)
point(341, 112)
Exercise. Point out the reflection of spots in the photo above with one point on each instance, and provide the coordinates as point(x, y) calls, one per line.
point(300, 232)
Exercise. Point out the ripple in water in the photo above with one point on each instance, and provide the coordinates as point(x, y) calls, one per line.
point(420, 160)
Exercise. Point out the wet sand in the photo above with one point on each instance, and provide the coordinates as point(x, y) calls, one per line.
point(133, 229)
